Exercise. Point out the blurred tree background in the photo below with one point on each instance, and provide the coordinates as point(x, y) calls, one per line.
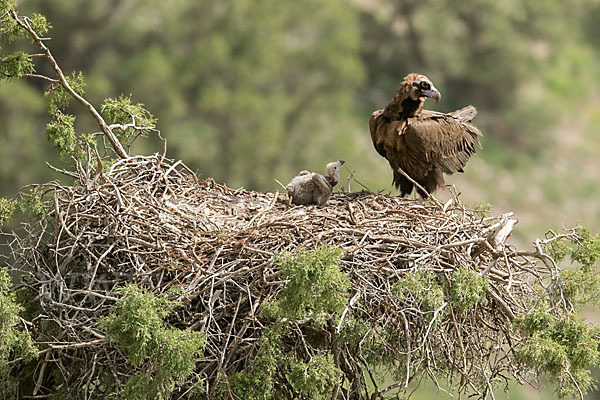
point(246, 91)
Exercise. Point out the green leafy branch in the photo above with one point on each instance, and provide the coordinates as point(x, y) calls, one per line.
point(316, 292)
point(15, 343)
point(127, 120)
point(161, 355)
point(561, 347)
point(579, 249)
point(29, 25)
point(317, 289)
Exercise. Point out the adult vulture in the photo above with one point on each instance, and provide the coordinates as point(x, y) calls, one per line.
point(424, 144)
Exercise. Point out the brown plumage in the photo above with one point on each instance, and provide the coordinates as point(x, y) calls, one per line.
point(312, 188)
point(424, 144)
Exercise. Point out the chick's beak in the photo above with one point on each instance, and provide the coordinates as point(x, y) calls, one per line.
point(433, 93)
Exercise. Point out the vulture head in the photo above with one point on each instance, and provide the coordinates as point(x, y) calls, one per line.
point(333, 169)
point(420, 86)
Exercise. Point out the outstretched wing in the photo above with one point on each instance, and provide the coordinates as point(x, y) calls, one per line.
point(445, 141)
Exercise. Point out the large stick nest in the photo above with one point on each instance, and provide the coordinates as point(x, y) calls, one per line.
point(150, 221)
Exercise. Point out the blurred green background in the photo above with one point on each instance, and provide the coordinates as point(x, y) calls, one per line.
point(248, 91)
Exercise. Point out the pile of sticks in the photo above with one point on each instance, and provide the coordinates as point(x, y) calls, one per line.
point(150, 221)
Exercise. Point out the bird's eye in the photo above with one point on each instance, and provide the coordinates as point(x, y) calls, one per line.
point(425, 85)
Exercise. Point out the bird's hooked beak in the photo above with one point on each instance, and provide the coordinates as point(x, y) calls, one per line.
point(341, 162)
point(433, 93)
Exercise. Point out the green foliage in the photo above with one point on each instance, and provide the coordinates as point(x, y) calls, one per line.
point(587, 251)
point(240, 91)
point(270, 310)
point(39, 24)
point(61, 130)
point(310, 380)
point(162, 355)
point(316, 287)
point(10, 31)
point(16, 65)
point(258, 382)
point(581, 286)
point(484, 209)
point(58, 98)
point(8, 26)
point(61, 133)
point(467, 288)
point(486, 38)
point(581, 282)
point(14, 343)
point(562, 347)
point(315, 379)
point(558, 250)
point(33, 201)
point(423, 288)
point(7, 209)
point(264, 81)
point(354, 331)
point(266, 72)
point(123, 112)
point(6, 5)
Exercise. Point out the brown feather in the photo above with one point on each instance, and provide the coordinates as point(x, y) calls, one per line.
point(425, 144)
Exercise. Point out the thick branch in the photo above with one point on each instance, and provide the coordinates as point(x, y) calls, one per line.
point(117, 146)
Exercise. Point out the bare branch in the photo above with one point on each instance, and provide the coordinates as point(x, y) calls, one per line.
point(44, 77)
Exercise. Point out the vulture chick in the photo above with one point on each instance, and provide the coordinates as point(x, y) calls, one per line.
point(312, 188)
point(424, 144)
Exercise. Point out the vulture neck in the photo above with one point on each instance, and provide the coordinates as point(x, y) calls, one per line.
point(333, 179)
point(402, 107)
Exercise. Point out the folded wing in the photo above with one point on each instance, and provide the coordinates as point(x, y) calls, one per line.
point(445, 141)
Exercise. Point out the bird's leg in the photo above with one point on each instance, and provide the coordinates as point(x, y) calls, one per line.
point(420, 189)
